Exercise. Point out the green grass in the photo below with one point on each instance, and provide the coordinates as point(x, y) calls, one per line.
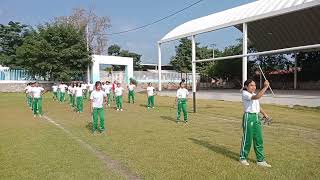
point(152, 145)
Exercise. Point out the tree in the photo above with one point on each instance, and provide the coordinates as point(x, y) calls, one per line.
point(136, 58)
point(55, 52)
point(11, 37)
point(115, 50)
point(310, 65)
point(181, 62)
point(96, 25)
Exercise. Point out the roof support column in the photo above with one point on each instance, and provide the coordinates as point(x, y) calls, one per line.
point(194, 83)
point(159, 67)
point(244, 52)
point(295, 73)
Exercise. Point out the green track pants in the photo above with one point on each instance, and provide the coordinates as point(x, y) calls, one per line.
point(109, 98)
point(98, 113)
point(70, 99)
point(252, 131)
point(150, 101)
point(73, 103)
point(182, 106)
point(119, 102)
point(29, 101)
point(37, 106)
point(62, 99)
point(80, 104)
point(131, 96)
point(55, 95)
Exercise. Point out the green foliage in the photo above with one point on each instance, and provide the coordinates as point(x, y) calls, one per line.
point(181, 62)
point(11, 37)
point(115, 50)
point(310, 65)
point(133, 81)
point(231, 68)
point(56, 51)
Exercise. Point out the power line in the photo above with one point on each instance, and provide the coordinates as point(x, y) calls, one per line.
point(154, 22)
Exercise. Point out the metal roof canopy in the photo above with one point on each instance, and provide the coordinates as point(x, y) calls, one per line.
point(263, 17)
point(271, 26)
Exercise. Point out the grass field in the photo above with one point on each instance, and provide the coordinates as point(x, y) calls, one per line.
point(150, 143)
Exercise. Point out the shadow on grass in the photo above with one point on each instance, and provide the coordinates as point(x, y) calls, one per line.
point(168, 118)
point(218, 149)
point(143, 105)
point(156, 106)
point(89, 126)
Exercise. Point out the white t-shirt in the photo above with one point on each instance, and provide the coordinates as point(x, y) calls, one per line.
point(131, 87)
point(118, 91)
point(182, 93)
point(103, 87)
point(28, 90)
point(90, 87)
point(36, 92)
point(83, 86)
point(54, 88)
point(250, 106)
point(150, 91)
point(70, 89)
point(97, 98)
point(78, 91)
point(62, 88)
point(107, 88)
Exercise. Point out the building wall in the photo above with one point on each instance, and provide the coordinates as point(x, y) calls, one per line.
point(18, 86)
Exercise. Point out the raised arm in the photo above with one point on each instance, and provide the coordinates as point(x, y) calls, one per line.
point(263, 113)
point(262, 91)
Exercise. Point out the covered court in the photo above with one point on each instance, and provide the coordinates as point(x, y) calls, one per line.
point(267, 25)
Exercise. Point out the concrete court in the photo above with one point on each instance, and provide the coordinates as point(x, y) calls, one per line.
point(310, 98)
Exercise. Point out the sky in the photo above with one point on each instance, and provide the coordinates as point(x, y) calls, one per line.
point(127, 14)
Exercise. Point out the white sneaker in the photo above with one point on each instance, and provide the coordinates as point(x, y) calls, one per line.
point(117, 109)
point(263, 164)
point(121, 109)
point(152, 107)
point(244, 162)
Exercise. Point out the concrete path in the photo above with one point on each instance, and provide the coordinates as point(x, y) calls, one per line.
point(308, 98)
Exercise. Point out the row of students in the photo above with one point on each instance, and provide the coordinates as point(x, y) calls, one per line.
point(34, 98)
point(252, 127)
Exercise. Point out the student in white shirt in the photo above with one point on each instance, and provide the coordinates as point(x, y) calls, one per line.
point(181, 100)
point(55, 92)
point(79, 98)
point(252, 130)
point(70, 89)
point(62, 90)
point(85, 90)
point(27, 90)
point(150, 95)
point(37, 93)
point(131, 93)
point(73, 95)
point(118, 91)
point(91, 88)
point(96, 106)
point(107, 90)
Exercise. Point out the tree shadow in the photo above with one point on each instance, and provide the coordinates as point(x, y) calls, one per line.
point(169, 118)
point(89, 126)
point(218, 149)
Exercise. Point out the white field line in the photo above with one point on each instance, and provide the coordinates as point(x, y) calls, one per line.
point(108, 162)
